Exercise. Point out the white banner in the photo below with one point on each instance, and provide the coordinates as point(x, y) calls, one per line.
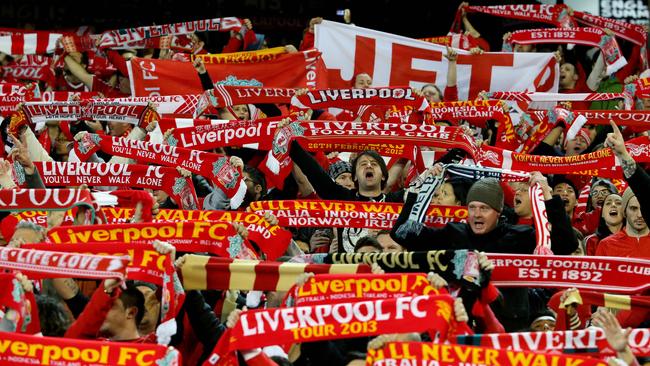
point(393, 60)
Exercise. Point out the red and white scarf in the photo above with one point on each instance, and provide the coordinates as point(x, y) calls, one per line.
point(46, 199)
point(39, 264)
point(555, 97)
point(611, 274)
point(30, 67)
point(139, 114)
point(542, 226)
point(591, 340)
point(551, 14)
point(371, 215)
point(121, 37)
point(29, 42)
point(256, 134)
point(219, 238)
point(272, 239)
point(348, 98)
point(594, 37)
point(213, 166)
point(213, 273)
point(12, 94)
point(241, 57)
point(420, 353)
point(226, 96)
point(258, 328)
point(634, 33)
point(169, 180)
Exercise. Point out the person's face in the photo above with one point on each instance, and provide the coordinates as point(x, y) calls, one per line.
point(567, 194)
point(633, 215)
point(116, 318)
point(368, 172)
point(345, 180)
point(613, 210)
point(593, 131)
point(118, 129)
point(28, 235)
point(568, 76)
point(362, 81)
point(545, 325)
point(431, 94)
point(598, 195)
point(388, 244)
point(481, 217)
point(646, 103)
point(241, 111)
point(576, 146)
point(522, 200)
point(151, 311)
point(445, 196)
point(368, 249)
point(253, 189)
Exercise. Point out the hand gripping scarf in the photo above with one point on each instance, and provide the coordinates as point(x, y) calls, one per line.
point(213, 166)
point(14, 297)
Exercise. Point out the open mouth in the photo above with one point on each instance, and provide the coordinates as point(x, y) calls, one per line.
point(613, 213)
point(566, 202)
point(517, 201)
point(479, 224)
point(370, 174)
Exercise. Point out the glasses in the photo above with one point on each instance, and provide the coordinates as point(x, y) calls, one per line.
point(602, 193)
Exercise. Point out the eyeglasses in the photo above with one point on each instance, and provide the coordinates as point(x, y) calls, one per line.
point(603, 193)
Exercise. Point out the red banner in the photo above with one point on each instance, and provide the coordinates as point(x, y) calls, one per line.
point(590, 340)
point(219, 238)
point(420, 353)
point(21, 349)
point(371, 215)
point(163, 77)
point(611, 274)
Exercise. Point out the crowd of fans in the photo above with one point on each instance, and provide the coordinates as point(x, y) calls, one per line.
point(588, 216)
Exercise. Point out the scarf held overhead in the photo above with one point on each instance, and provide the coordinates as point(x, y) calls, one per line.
point(45, 199)
point(214, 166)
point(139, 114)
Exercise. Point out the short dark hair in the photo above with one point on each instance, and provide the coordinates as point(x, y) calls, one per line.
point(460, 186)
point(382, 164)
point(367, 241)
point(53, 317)
point(132, 297)
point(257, 176)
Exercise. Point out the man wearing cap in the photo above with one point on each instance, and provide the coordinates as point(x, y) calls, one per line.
point(633, 240)
point(341, 172)
point(485, 232)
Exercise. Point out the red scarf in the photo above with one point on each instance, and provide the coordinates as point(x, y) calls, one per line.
point(213, 166)
point(620, 275)
point(272, 240)
point(263, 55)
point(169, 180)
point(551, 14)
point(258, 328)
point(219, 238)
point(634, 33)
point(388, 139)
point(146, 264)
point(38, 264)
point(455, 40)
point(421, 353)
point(139, 114)
point(14, 297)
point(167, 105)
point(542, 226)
point(45, 199)
point(593, 37)
point(24, 349)
point(590, 340)
point(593, 163)
point(120, 37)
point(203, 273)
point(11, 95)
point(224, 96)
point(477, 112)
point(13, 72)
point(336, 288)
point(65, 96)
point(177, 123)
point(371, 215)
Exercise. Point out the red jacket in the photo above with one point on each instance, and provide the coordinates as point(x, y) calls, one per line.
point(622, 245)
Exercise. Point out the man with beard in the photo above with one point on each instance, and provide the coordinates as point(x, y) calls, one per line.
point(633, 240)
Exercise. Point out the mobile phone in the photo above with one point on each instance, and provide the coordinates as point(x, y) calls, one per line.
point(340, 12)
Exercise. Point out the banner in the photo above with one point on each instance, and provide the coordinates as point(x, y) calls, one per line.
point(273, 240)
point(591, 340)
point(202, 273)
point(335, 288)
point(371, 215)
point(22, 349)
point(153, 77)
point(46, 264)
point(420, 353)
point(258, 328)
point(611, 274)
point(219, 238)
point(392, 60)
